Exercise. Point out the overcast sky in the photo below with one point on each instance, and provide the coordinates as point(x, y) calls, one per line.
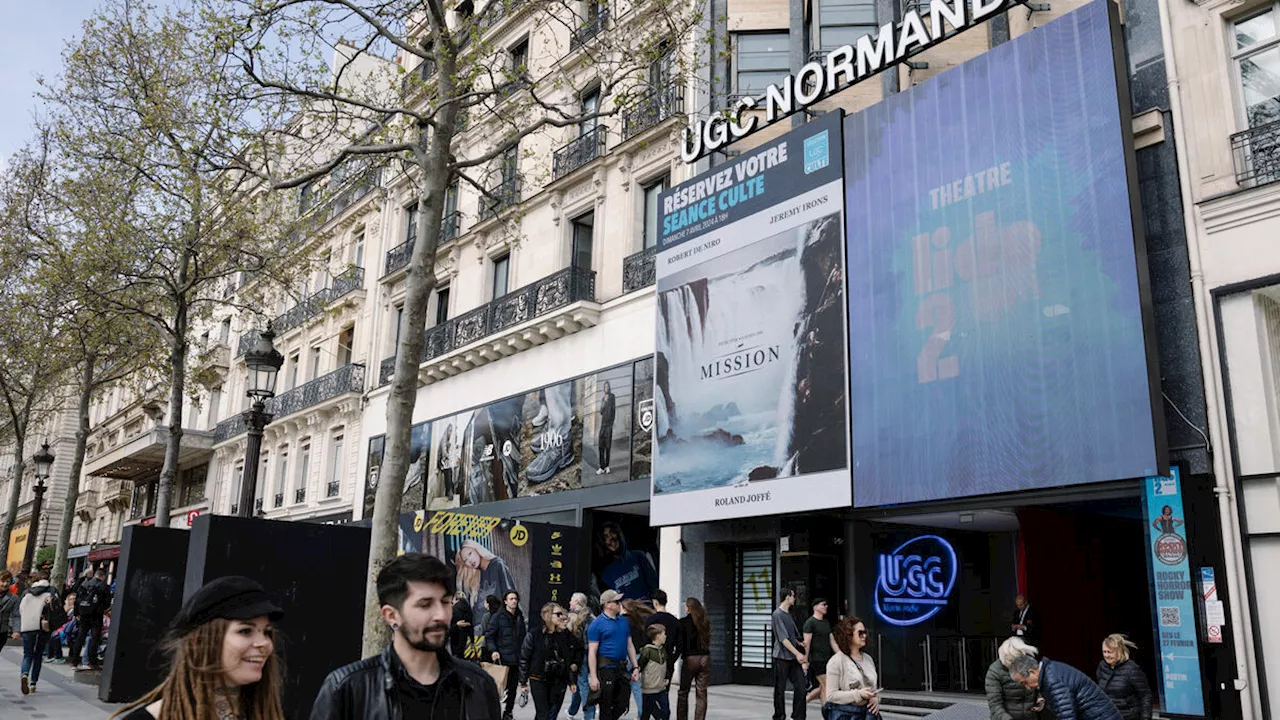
point(32, 35)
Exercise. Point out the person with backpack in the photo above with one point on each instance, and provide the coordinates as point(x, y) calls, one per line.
point(92, 602)
point(34, 608)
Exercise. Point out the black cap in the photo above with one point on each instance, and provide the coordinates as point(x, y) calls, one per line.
point(232, 598)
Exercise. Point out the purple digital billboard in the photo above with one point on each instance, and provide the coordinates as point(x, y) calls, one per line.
point(998, 311)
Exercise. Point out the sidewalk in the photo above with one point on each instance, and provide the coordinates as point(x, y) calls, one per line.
point(59, 697)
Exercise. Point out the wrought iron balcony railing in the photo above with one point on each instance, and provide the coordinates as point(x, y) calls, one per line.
point(245, 342)
point(400, 255)
point(582, 150)
point(299, 495)
point(529, 302)
point(660, 104)
point(346, 283)
point(279, 500)
point(346, 379)
point(235, 510)
point(591, 28)
point(416, 79)
point(511, 88)
point(257, 506)
point(638, 270)
point(332, 490)
point(351, 192)
point(502, 197)
point(493, 17)
point(1257, 154)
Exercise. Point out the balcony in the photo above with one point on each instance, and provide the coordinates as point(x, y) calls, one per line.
point(140, 457)
point(347, 379)
point(495, 16)
point(257, 506)
point(332, 489)
point(350, 192)
point(216, 355)
point(591, 28)
point(638, 270)
point(416, 79)
point(399, 256)
point(1257, 155)
point(504, 196)
point(585, 148)
point(346, 283)
point(491, 321)
point(502, 93)
point(116, 495)
point(660, 104)
point(87, 504)
point(279, 500)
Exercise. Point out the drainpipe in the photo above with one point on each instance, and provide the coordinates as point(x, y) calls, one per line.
point(1242, 625)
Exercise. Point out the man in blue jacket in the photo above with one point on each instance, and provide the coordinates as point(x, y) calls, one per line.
point(1069, 693)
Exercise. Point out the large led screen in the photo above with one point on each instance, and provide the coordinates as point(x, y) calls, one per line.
point(996, 290)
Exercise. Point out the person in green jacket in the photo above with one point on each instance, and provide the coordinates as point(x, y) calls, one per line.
point(1006, 697)
point(654, 682)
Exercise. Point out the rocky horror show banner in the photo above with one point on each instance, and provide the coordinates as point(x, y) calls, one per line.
point(750, 393)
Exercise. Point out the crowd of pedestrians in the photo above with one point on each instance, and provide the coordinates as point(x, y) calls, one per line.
point(45, 620)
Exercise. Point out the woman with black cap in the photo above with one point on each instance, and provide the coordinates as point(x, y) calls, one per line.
point(223, 663)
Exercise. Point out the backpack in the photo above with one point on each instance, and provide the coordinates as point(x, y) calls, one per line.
point(53, 614)
point(92, 600)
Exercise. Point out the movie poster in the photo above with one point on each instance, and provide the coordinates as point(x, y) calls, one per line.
point(642, 423)
point(492, 555)
point(606, 419)
point(444, 466)
point(373, 468)
point(751, 386)
point(624, 555)
point(551, 441)
point(493, 470)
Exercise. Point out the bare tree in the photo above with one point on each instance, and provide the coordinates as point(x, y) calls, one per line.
point(446, 104)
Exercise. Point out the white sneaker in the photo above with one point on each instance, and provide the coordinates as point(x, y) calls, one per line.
point(607, 471)
point(599, 471)
point(541, 418)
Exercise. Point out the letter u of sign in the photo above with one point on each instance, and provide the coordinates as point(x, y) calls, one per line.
point(892, 580)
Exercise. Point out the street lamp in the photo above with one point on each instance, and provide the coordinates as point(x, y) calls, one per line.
point(263, 362)
point(43, 461)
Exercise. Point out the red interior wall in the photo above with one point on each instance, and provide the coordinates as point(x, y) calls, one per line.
point(1064, 582)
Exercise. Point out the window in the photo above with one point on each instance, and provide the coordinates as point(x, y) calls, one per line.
point(294, 361)
point(282, 476)
point(215, 404)
point(1257, 56)
point(583, 231)
point(304, 468)
point(322, 273)
point(501, 276)
point(224, 331)
point(335, 472)
point(193, 415)
point(237, 484)
point(346, 343)
point(510, 165)
point(411, 222)
point(520, 58)
point(192, 485)
point(442, 304)
point(842, 22)
point(663, 70)
point(762, 60)
point(396, 318)
point(357, 251)
point(451, 198)
point(590, 106)
point(315, 363)
point(651, 193)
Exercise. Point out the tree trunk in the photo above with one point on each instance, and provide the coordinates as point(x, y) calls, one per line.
point(21, 422)
point(421, 279)
point(177, 381)
point(77, 465)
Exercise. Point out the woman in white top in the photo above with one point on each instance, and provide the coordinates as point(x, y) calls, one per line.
point(852, 683)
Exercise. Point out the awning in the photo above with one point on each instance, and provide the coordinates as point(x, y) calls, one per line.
point(107, 552)
point(78, 551)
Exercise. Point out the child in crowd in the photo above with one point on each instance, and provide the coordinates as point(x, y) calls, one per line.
point(653, 676)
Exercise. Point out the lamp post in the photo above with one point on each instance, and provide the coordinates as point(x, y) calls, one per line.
point(263, 362)
point(43, 461)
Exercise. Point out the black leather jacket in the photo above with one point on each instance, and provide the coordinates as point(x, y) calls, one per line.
point(366, 690)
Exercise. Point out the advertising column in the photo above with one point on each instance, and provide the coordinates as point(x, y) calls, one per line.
point(1180, 689)
point(750, 386)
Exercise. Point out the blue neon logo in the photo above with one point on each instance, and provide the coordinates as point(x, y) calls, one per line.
point(915, 580)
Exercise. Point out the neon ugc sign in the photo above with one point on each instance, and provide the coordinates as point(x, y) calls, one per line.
point(915, 580)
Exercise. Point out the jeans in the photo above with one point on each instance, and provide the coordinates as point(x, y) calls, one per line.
point(637, 695)
point(656, 705)
point(580, 698)
point(614, 684)
point(89, 628)
point(54, 650)
point(547, 698)
point(788, 671)
point(696, 672)
point(33, 653)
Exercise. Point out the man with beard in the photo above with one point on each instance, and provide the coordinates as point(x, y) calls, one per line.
point(414, 677)
point(630, 572)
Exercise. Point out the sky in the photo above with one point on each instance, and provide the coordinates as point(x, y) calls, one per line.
point(32, 36)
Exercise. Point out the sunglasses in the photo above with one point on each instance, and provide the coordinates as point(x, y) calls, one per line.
point(560, 613)
point(862, 633)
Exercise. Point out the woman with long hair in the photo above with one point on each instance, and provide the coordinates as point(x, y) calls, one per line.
point(695, 649)
point(852, 689)
point(481, 574)
point(580, 618)
point(223, 664)
point(1007, 698)
point(637, 615)
point(549, 660)
point(1122, 680)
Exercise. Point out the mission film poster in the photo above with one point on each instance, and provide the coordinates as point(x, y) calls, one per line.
point(491, 555)
point(998, 304)
point(750, 394)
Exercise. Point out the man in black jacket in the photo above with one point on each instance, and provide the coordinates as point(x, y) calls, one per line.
point(502, 641)
point(92, 602)
point(414, 678)
point(1069, 693)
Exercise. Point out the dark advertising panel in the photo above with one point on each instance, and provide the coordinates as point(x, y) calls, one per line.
point(750, 391)
point(492, 555)
point(997, 276)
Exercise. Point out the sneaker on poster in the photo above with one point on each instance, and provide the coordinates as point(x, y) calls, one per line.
point(554, 455)
point(479, 482)
point(541, 418)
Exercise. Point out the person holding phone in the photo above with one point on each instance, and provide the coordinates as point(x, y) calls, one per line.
point(853, 692)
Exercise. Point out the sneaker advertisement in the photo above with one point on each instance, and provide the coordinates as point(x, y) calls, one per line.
point(551, 440)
